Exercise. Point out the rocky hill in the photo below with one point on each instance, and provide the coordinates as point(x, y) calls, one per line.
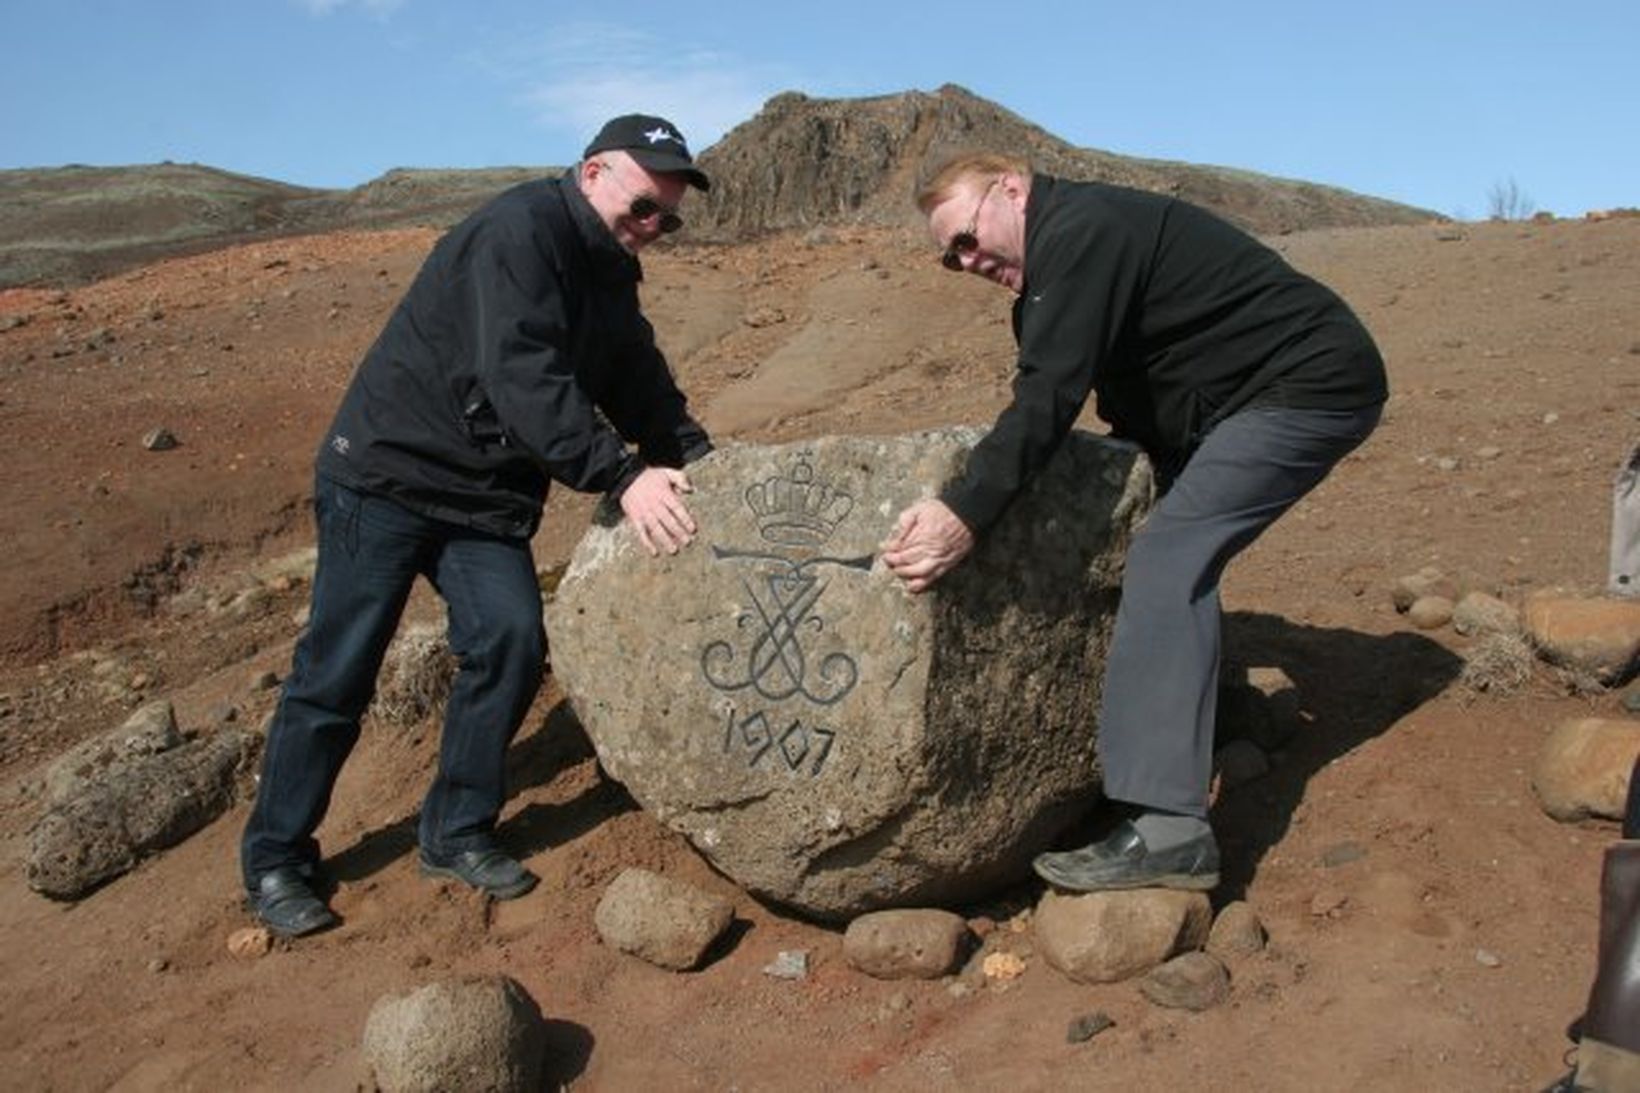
point(805, 162)
point(70, 225)
point(799, 163)
point(75, 223)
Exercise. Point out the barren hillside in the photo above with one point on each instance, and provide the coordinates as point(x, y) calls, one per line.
point(800, 162)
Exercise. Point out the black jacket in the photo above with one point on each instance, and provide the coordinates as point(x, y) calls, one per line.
point(1172, 318)
point(519, 355)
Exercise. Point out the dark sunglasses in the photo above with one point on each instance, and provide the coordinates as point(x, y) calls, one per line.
point(643, 206)
point(965, 241)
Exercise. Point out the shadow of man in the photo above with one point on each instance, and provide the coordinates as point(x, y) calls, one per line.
point(1350, 687)
point(541, 753)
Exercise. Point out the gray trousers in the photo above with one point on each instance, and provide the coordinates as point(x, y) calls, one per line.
point(1161, 678)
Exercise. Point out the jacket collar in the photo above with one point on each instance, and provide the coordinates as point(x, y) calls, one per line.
point(611, 262)
point(1043, 189)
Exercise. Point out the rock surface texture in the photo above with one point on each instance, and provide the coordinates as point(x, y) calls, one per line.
point(827, 740)
point(128, 809)
point(480, 1032)
point(661, 920)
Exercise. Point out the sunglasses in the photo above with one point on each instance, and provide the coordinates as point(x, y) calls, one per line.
point(644, 207)
point(966, 241)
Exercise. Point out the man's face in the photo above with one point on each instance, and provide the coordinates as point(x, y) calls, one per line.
point(637, 205)
point(980, 229)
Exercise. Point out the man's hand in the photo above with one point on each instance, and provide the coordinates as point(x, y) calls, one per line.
point(928, 541)
point(654, 504)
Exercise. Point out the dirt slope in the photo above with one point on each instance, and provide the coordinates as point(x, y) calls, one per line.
point(1448, 953)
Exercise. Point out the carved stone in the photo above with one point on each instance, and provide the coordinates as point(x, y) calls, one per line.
point(827, 740)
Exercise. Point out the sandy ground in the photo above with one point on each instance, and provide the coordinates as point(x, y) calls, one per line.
point(1446, 946)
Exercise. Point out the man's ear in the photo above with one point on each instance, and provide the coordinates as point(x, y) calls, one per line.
point(586, 171)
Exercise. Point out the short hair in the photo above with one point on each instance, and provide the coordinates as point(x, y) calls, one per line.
point(982, 166)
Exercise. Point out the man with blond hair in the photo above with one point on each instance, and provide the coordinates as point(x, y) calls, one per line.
point(1242, 379)
point(517, 358)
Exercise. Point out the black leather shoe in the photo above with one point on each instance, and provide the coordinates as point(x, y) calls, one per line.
point(489, 869)
point(1122, 860)
point(284, 901)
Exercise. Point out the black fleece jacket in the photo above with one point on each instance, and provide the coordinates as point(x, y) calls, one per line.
point(518, 356)
point(1172, 318)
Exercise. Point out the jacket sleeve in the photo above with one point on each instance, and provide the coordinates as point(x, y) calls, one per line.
point(648, 408)
point(1083, 281)
point(520, 321)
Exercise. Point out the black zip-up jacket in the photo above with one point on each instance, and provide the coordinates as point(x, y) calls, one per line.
point(1172, 318)
point(518, 356)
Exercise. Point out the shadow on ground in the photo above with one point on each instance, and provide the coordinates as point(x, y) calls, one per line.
point(538, 756)
point(1351, 687)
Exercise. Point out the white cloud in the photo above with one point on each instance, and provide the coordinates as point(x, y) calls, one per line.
point(381, 8)
point(585, 74)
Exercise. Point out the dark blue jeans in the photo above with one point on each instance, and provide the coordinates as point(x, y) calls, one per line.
point(370, 552)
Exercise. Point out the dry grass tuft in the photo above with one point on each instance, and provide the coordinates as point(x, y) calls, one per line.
point(1499, 664)
point(416, 676)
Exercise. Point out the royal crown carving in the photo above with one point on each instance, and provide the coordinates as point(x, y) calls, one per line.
point(798, 509)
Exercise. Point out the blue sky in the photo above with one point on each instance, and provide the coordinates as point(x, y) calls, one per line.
point(1436, 104)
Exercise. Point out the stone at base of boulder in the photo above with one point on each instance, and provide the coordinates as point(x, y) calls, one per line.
point(907, 944)
point(1237, 932)
point(1102, 937)
point(661, 920)
point(1194, 981)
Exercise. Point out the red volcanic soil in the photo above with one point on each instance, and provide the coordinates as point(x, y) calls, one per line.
point(1430, 927)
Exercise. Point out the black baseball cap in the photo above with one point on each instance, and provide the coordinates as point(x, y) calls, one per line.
point(654, 142)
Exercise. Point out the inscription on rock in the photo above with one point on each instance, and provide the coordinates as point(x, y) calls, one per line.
point(771, 654)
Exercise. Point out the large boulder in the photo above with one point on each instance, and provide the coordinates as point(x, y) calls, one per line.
point(827, 740)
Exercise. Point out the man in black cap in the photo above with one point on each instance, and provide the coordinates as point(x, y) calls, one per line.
point(519, 356)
